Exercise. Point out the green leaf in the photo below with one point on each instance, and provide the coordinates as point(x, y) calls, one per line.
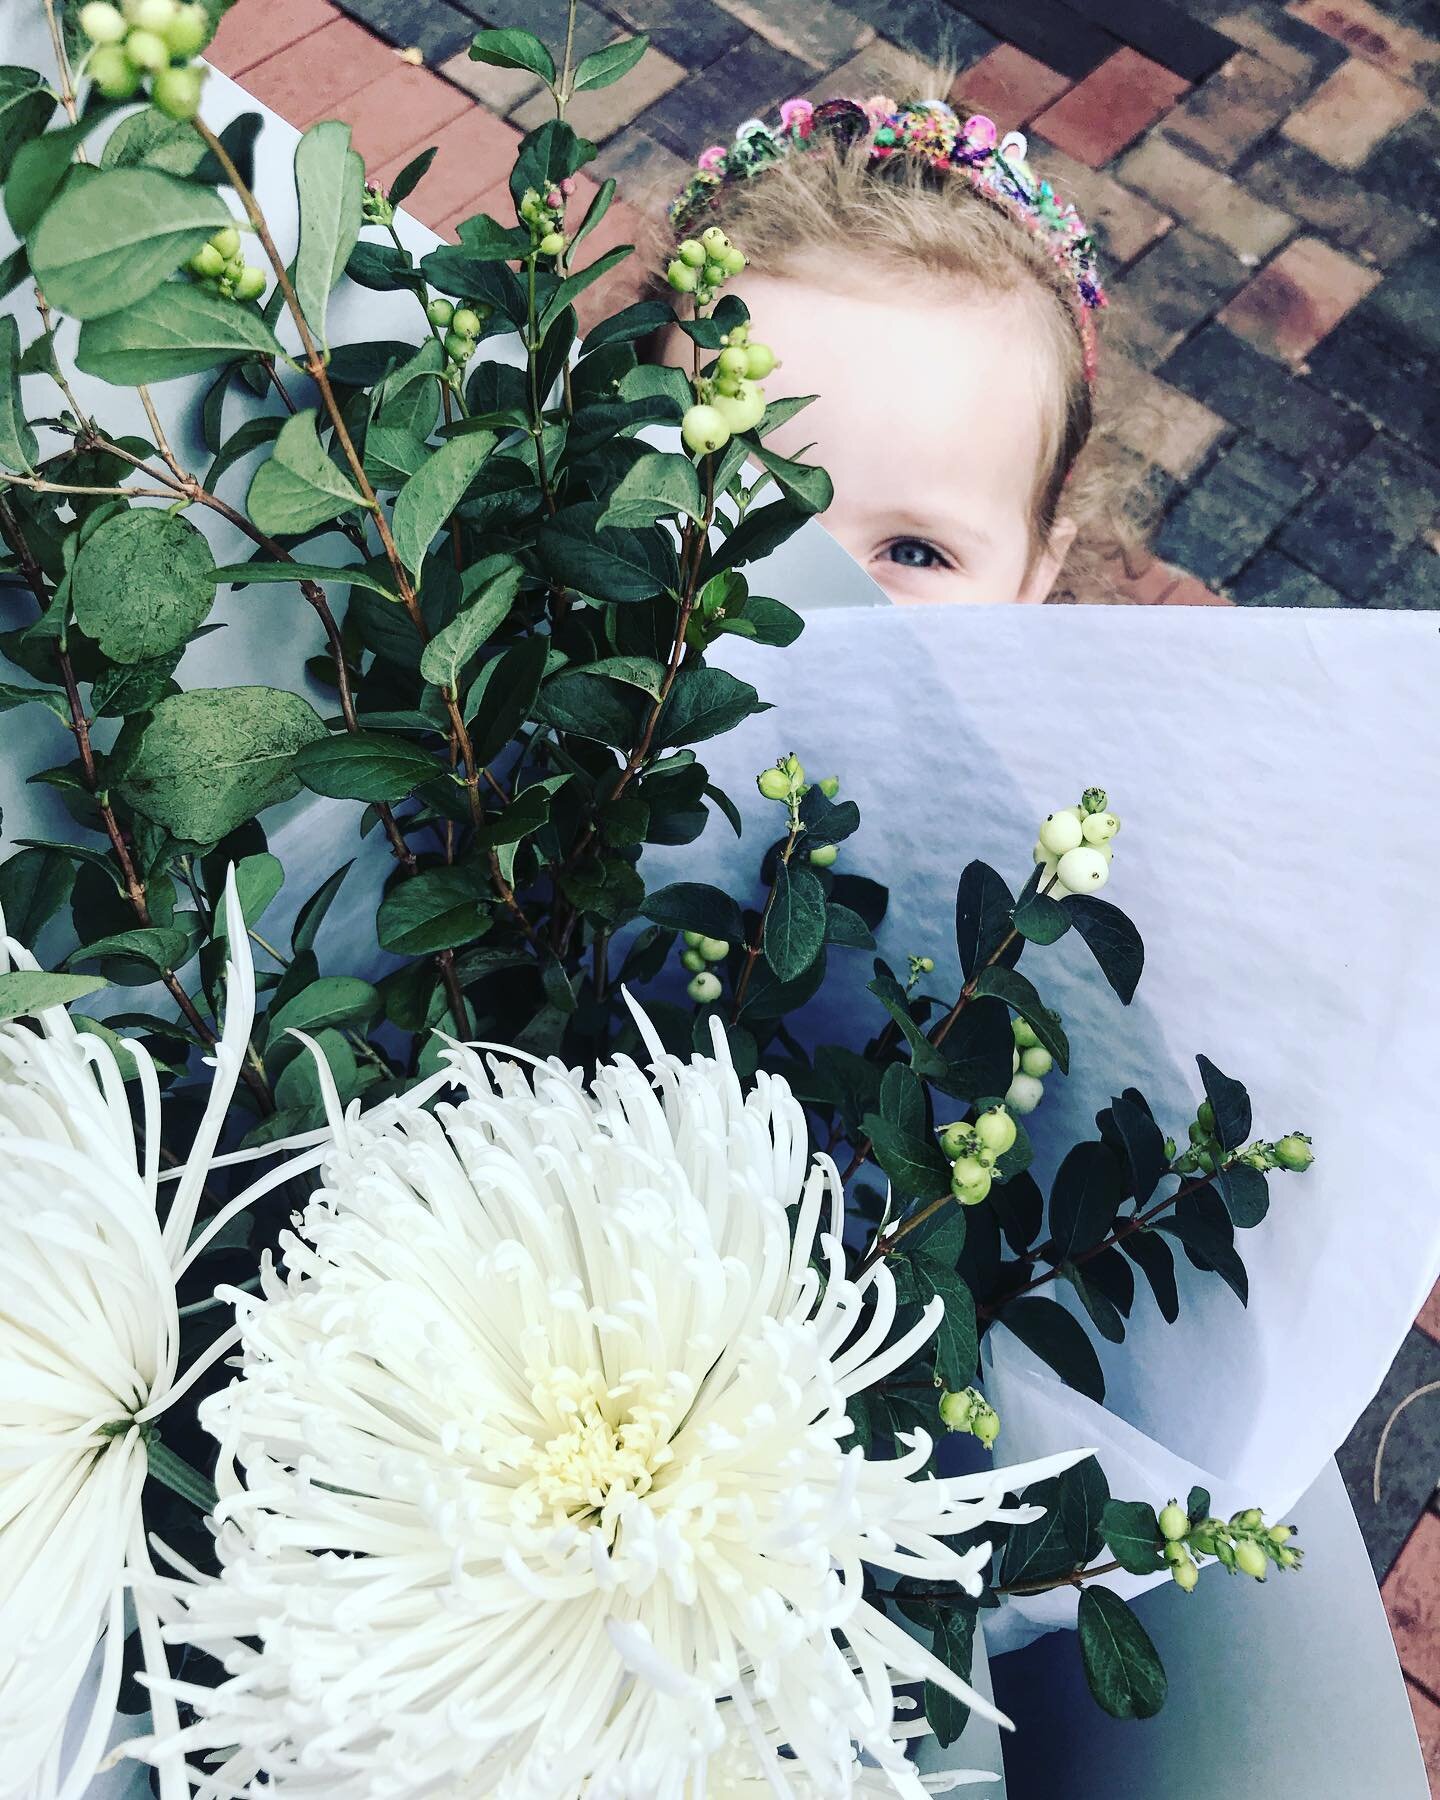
point(26, 992)
point(766, 621)
point(1041, 920)
point(1020, 995)
point(1114, 942)
point(795, 924)
point(329, 183)
point(349, 574)
point(333, 1000)
point(1089, 1186)
point(925, 1059)
point(437, 909)
point(1144, 1146)
point(43, 164)
point(1132, 1532)
point(761, 531)
point(298, 487)
point(383, 268)
point(502, 695)
point(513, 50)
point(258, 879)
point(430, 495)
point(641, 672)
point(365, 765)
point(957, 1342)
point(1245, 1193)
point(142, 584)
point(976, 1058)
point(630, 323)
point(703, 703)
point(1157, 1264)
point(410, 177)
point(1101, 1310)
point(107, 242)
point(311, 915)
point(249, 436)
point(408, 400)
point(1197, 1503)
point(149, 139)
point(34, 884)
point(693, 906)
point(159, 950)
point(606, 564)
point(1231, 1104)
point(803, 484)
point(26, 104)
point(1084, 1493)
point(18, 444)
point(656, 487)
point(902, 1101)
point(983, 905)
point(484, 611)
point(546, 157)
point(846, 928)
point(1059, 1339)
point(589, 706)
point(179, 329)
point(214, 757)
point(1040, 1548)
point(602, 67)
point(13, 694)
point(910, 1157)
point(1122, 1666)
point(574, 285)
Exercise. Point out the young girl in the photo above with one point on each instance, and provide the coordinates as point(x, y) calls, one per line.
point(909, 268)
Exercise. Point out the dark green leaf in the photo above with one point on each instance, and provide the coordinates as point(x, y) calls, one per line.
point(107, 242)
point(25, 992)
point(350, 574)
point(925, 1059)
point(158, 950)
point(26, 103)
point(1157, 1263)
point(827, 821)
point(1084, 1492)
point(909, 1157)
point(1122, 1666)
point(333, 1000)
point(1245, 1192)
point(365, 765)
point(658, 486)
point(590, 706)
point(1020, 995)
point(43, 164)
point(1104, 1315)
point(18, 444)
point(298, 487)
point(13, 694)
point(1088, 1189)
point(795, 923)
point(704, 702)
point(1132, 1532)
point(434, 491)
point(1197, 1504)
point(1231, 1104)
point(142, 584)
point(630, 323)
point(311, 915)
point(502, 695)
point(411, 176)
point(954, 1645)
point(902, 1100)
point(766, 621)
point(1041, 920)
point(802, 484)
point(692, 906)
point(1144, 1146)
point(847, 928)
point(761, 531)
point(983, 905)
point(957, 1342)
point(329, 184)
point(383, 268)
point(609, 564)
point(1018, 1205)
point(485, 604)
point(34, 884)
point(574, 285)
point(611, 64)
point(1040, 1548)
point(513, 50)
point(437, 909)
point(251, 435)
point(178, 329)
point(976, 1057)
point(1114, 942)
point(1058, 1339)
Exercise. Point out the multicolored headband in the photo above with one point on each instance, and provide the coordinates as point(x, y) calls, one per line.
point(931, 132)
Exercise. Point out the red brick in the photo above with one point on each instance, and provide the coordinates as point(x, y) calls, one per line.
point(1156, 583)
point(309, 84)
point(255, 29)
point(1234, 109)
point(1412, 1601)
point(1366, 31)
point(1189, 590)
point(627, 281)
point(400, 112)
point(1427, 1729)
point(1296, 299)
point(1009, 87)
point(1346, 116)
point(1429, 1319)
point(474, 154)
point(1110, 107)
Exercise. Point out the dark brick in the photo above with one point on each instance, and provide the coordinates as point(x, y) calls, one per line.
point(546, 18)
point(1286, 41)
point(1226, 516)
point(1412, 1453)
point(1406, 300)
point(1406, 167)
point(1172, 288)
point(1047, 29)
point(1365, 223)
point(1413, 583)
point(1364, 363)
point(436, 30)
point(705, 108)
point(928, 28)
point(1356, 533)
point(1183, 44)
point(1234, 109)
point(1251, 390)
point(693, 33)
point(1273, 580)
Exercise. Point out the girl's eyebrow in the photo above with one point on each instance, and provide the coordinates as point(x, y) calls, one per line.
point(926, 525)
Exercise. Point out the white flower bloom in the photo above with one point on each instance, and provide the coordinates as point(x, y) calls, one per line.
point(89, 1352)
point(538, 1480)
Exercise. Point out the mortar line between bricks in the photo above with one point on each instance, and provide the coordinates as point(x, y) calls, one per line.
point(1420, 1686)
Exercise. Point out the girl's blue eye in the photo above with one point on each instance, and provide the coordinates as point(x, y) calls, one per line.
point(915, 553)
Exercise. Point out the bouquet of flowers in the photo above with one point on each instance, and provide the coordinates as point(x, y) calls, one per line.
point(515, 1364)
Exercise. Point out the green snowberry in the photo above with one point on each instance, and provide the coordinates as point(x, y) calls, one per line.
point(823, 855)
point(704, 430)
point(1174, 1521)
point(714, 241)
point(733, 361)
point(996, 1130)
point(682, 278)
point(227, 242)
point(760, 360)
point(1037, 1061)
point(147, 50)
point(553, 243)
point(458, 346)
point(957, 1139)
point(1293, 1152)
point(102, 23)
point(969, 1180)
point(1185, 1575)
point(176, 92)
point(714, 949)
point(440, 312)
point(774, 784)
point(207, 261)
point(692, 254)
point(704, 989)
point(250, 284)
point(1023, 1034)
point(1250, 1559)
point(466, 321)
point(693, 961)
point(829, 786)
point(113, 73)
point(188, 31)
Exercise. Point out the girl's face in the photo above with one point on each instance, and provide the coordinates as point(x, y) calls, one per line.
point(929, 421)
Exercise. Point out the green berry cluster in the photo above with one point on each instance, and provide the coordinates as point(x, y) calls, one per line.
point(219, 268)
point(786, 782)
point(1292, 1152)
point(699, 952)
point(973, 1149)
point(970, 1411)
point(147, 38)
point(702, 266)
point(545, 215)
point(1244, 1544)
point(1074, 846)
point(461, 327)
point(376, 207)
point(729, 398)
point(1030, 1062)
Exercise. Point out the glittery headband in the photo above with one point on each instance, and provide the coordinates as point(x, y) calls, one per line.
point(931, 132)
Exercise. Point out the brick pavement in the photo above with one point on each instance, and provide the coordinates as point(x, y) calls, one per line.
point(1265, 181)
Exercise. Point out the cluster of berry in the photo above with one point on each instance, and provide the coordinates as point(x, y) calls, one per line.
point(699, 952)
point(219, 268)
point(702, 266)
point(1246, 1545)
point(545, 215)
point(970, 1411)
point(1292, 1153)
point(729, 396)
point(461, 326)
point(1030, 1061)
point(1074, 846)
point(147, 37)
point(974, 1149)
point(786, 782)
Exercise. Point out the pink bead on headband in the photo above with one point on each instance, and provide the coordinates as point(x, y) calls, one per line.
point(932, 133)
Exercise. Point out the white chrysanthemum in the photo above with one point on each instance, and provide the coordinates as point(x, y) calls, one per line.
point(536, 1480)
point(89, 1352)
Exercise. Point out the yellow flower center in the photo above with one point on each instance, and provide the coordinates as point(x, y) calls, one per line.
point(607, 1446)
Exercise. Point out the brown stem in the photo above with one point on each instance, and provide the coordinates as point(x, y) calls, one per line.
point(62, 62)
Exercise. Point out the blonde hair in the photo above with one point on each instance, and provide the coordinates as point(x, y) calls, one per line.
point(930, 226)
